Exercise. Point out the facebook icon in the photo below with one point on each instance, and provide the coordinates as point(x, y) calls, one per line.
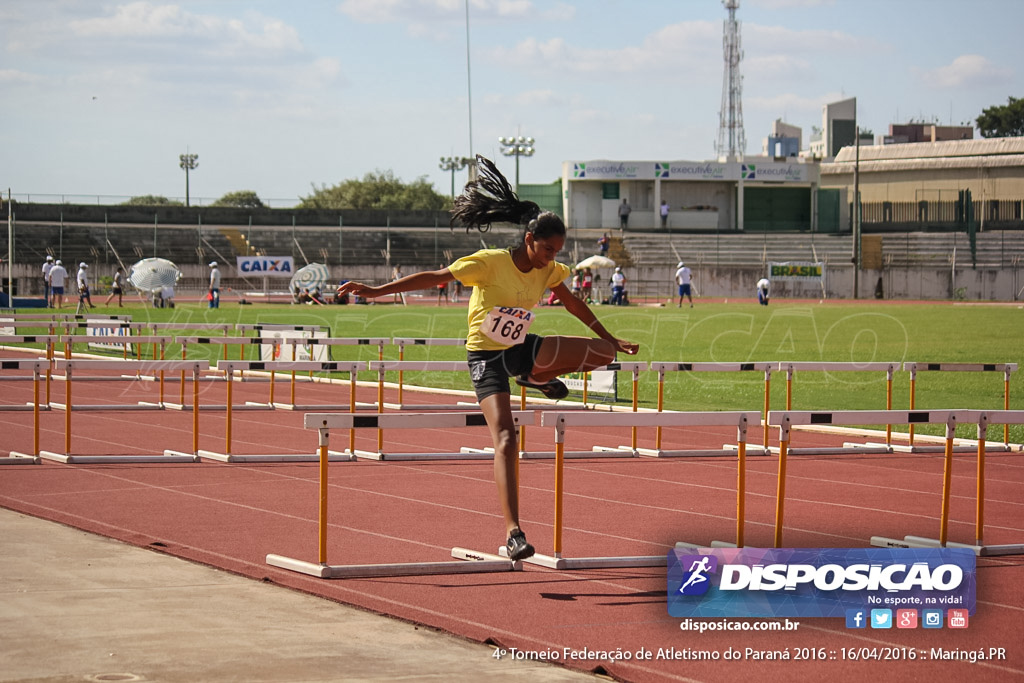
point(856, 618)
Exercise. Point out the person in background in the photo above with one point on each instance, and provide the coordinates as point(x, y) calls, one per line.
point(58, 276)
point(664, 213)
point(396, 274)
point(762, 291)
point(47, 265)
point(624, 211)
point(603, 244)
point(214, 294)
point(116, 288)
point(442, 292)
point(82, 280)
point(683, 278)
point(618, 287)
point(167, 296)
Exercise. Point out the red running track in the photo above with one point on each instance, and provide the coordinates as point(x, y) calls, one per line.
point(232, 515)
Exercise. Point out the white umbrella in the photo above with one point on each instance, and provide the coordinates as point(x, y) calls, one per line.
point(596, 261)
point(310, 277)
point(153, 274)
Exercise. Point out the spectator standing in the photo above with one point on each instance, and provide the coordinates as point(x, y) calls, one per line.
point(82, 280)
point(603, 244)
point(762, 291)
point(624, 211)
point(618, 287)
point(664, 213)
point(58, 276)
point(116, 288)
point(47, 265)
point(214, 294)
point(683, 278)
point(396, 274)
point(588, 285)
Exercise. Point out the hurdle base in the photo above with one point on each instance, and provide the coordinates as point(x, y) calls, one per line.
point(753, 449)
point(989, 448)
point(660, 453)
point(72, 459)
point(470, 562)
point(141, 405)
point(549, 455)
point(221, 408)
point(17, 458)
point(332, 456)
point(315, 407)
point(846, 449)
point(558, 562)
point(683, 545)
point(26, 407)
point(922, 542)
point(464, 454)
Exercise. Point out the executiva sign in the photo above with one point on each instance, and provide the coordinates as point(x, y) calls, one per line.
point(817, 582)
point(274, 266)
point(760, 171)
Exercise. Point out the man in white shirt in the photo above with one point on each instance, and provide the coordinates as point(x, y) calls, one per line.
point(82, 280)
point(214, 296)
point(762, 291)
point(618, 287)
point(57, 278)
point(47, 265)
point(683, 278)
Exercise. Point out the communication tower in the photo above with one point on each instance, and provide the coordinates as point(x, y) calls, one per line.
point(732, 142)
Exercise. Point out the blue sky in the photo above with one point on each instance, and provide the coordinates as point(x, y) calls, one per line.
point(100, 98)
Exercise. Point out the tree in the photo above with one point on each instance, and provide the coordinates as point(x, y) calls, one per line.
point(243, 199)
point(1006, 121)
point(379, 190)
point(151, 200)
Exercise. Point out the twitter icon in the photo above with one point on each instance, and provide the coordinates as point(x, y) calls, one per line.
point(881, 618)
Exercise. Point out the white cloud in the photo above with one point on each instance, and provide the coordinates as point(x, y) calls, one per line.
point(965, 71)
point(415, 12)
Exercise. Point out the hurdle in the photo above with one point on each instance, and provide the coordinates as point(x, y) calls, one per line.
point(223, 341)
point(469, 561)
point(48, 341)
point(913, 368)
point(560, 421)
point(329, 342)
point(785, 420)
point(230, 367)
point(812, 366)
point(402, 342)
point(68, 366)
point(727, 449)
point(401, 366)
point(36, 365)
point(983, 419)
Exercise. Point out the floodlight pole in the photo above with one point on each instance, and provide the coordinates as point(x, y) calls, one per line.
point(188, 162)
point(517, 146)
point(10, 250)
point(454, 164)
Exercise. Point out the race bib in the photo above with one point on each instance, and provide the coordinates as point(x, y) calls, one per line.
point(507, 326)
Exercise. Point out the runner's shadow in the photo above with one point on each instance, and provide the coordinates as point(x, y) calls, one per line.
point(641, 598)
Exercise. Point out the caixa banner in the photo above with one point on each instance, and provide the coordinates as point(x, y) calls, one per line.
point(817, 582)
point(274, 266)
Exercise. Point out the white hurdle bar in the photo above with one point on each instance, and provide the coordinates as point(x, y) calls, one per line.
point(560, 421)
point(913, 368)
point(230, 367)
point(68, 366)
point(48, 341)
point(727, 449)
point(156, 365)
point(785, 420)
point(791, 367)
point(469, 561)
point(37, 366)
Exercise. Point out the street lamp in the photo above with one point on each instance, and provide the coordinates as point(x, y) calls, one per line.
point(454, 164)
point(189, 162)
point(516, 147)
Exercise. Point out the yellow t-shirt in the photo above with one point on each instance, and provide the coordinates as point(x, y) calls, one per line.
point(497, 282)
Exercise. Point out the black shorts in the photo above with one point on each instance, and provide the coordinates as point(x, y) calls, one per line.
point(491, 370)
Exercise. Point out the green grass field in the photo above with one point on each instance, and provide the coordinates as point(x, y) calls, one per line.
point(733, 332)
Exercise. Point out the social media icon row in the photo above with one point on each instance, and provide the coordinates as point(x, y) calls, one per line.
point(905, 618)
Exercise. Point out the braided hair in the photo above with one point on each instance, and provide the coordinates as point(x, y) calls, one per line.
point(490, 199)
